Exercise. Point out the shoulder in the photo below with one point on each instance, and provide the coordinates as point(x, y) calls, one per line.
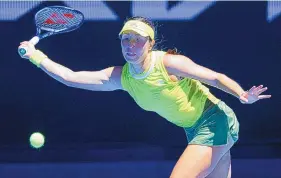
point(114, 71)
point(159, 53)
point(170, 57)
point(114, 74)
point(170, 60)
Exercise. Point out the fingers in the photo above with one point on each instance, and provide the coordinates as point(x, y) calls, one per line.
point(29, 47)
point(264, 96)
point(254, 93)
point(257, 90)
point(261, 90)
point(259, 87)
point(251, 90)
point(25, 43)
point(254, 88)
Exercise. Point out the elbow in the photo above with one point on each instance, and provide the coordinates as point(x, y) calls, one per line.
point(219, 78)
point(68, 78)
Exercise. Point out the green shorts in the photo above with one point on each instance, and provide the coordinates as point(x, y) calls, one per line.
point(214, 127)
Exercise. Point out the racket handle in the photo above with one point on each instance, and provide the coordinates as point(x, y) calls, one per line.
point(34, 41)
point(22, 51)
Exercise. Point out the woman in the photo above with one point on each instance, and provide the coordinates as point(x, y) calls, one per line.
point(170, 85)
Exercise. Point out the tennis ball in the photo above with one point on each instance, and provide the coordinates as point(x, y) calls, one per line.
point(36, 140)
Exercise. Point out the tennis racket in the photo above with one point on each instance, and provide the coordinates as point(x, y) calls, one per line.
point(54, 20)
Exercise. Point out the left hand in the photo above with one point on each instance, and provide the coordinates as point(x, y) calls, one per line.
point(253, 95)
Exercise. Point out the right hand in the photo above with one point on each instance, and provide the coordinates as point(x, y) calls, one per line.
point(30, 49)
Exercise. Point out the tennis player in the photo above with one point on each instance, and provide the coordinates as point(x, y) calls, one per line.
point(169, 84)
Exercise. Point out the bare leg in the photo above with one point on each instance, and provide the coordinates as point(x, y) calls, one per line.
point(198, 161)
point(223, 168)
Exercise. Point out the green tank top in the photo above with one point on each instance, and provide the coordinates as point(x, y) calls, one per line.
point(180, 102)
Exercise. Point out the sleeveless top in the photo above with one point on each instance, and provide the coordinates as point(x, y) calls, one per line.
point(180, 102)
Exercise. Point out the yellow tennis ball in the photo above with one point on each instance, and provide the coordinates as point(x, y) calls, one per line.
point(36, 140)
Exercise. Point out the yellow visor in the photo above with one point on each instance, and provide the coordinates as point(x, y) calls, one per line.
point(137, 26)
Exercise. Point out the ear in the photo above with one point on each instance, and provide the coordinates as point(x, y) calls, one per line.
point(151, 44)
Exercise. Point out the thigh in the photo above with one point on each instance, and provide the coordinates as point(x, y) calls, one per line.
point(223, 168)
point(198, 161)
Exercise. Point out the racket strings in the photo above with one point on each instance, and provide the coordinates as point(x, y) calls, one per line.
point(58, 19)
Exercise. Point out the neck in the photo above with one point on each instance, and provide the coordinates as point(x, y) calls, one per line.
point(143, 65)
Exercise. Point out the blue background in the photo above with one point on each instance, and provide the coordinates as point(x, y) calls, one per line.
point(233, 38)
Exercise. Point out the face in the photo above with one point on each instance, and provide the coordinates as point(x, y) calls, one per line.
point(134, 47)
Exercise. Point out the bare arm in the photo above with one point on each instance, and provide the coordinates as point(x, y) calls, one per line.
point(182, 66)
point(108, 79)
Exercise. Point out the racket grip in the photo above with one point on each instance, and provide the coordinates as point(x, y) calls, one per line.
point(22, 51)
point(34, 41)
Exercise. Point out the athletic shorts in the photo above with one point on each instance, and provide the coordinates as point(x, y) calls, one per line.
point(217, 124)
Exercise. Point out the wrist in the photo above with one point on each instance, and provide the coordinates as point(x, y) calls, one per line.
point(243, 94)
point(243, 97)
point(37, 57)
